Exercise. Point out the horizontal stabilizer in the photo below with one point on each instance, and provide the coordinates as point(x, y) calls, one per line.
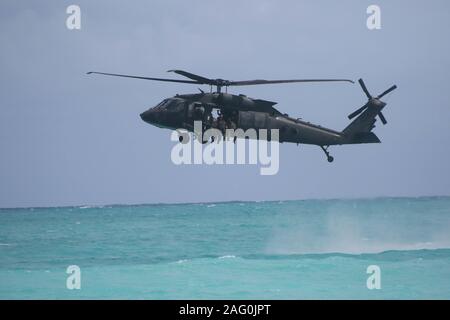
point(364, 137)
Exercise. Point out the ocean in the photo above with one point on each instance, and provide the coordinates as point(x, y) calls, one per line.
point(309, 249)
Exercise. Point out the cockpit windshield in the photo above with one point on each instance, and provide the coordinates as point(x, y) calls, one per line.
point(163, 104)
point(170, 104)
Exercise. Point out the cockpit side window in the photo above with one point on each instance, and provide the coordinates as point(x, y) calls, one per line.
point(175, 105)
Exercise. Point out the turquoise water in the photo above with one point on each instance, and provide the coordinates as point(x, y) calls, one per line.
point(270, 250)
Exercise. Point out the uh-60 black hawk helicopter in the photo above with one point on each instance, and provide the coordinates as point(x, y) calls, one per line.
point(240, 111)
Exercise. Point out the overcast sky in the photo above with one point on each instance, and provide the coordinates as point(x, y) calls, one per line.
point(71, 139)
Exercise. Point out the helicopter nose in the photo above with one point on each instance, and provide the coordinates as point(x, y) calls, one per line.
point(148, 116)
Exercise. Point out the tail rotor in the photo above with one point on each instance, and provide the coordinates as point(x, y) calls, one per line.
point(371, 100)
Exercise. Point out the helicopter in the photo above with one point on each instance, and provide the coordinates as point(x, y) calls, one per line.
point(240, 111)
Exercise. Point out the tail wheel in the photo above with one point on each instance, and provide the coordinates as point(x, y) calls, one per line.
point(329, 158)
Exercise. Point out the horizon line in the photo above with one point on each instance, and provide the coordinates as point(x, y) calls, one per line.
point(86, 206)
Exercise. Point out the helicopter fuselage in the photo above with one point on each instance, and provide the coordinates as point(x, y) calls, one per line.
point(239, 112)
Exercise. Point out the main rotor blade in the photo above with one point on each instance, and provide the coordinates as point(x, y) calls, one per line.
point(222, 82)
point(144, 78)
point(382, 118)
point(355, 113)
point(195, 77)
point(363, 86)
point(387, 91)
point(260, 81)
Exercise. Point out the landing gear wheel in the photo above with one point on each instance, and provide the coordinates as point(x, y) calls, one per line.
point(329, 158)
point(183, 137)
